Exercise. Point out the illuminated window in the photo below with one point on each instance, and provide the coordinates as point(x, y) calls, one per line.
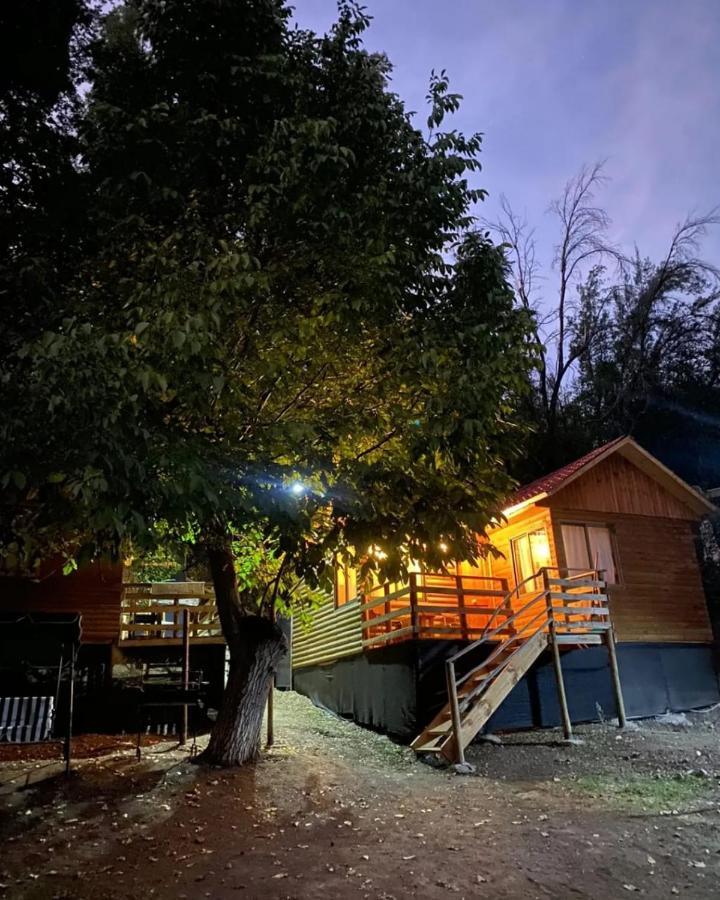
point(589, 547)
point(345, 587)
point(530, 553)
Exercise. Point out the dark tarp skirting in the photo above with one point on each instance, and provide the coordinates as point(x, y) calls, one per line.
point(374, 689)
point(398, 689)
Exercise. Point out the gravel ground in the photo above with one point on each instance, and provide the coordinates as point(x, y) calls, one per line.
point(336, 811)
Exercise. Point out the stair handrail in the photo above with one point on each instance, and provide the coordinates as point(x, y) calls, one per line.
point(486, 633)
point(451, 674)
point(514, 639)
point(507, 600)
point(536, 624)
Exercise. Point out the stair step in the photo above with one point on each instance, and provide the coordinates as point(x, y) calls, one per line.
point(579, 639)
point(432, 747)
point(440, 729)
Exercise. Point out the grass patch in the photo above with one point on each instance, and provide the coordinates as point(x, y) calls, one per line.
point(654, 793)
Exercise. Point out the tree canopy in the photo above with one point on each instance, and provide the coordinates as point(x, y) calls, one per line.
point(275, 281)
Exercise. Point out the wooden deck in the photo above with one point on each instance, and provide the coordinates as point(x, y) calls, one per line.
point(153, 614)
point(427, 607)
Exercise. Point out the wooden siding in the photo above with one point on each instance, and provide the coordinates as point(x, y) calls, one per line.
point(659, 595)
point(331, 634)
point(617, 486)
point(94, 591)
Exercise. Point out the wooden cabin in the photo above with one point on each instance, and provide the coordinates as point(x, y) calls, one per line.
point(94, 591)
point(600, 552)
point(129, 632)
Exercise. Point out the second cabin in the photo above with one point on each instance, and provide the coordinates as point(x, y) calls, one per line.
point(597, 563)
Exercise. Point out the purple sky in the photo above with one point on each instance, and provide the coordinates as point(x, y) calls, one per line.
point(554, 84)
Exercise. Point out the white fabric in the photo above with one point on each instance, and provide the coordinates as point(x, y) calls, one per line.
point(601, 551)
point(589, 547)
point(575, 543)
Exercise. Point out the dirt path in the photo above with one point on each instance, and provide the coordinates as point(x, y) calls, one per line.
point(335, 811)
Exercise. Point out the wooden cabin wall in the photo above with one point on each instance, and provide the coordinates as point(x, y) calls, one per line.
point(94, 590)
point(617, 486)
point(659, 595)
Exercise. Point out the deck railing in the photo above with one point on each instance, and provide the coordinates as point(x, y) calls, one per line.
point(450, 607)
point(445, 607)
point(427, 606)
point(154, 613)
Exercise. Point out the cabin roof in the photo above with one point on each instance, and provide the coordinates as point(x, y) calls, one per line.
point(550, 484)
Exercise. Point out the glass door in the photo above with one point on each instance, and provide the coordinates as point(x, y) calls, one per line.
point(530, 552)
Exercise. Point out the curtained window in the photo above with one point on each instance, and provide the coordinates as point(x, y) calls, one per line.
point(589, 547)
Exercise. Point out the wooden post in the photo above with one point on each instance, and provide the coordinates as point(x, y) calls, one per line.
point(555, 649)
point(612, 653)
point(271, 713)
point(461, 604)
point(413, 605)
point(386, 607)
point(71, 710)
point(185, 672)
point(507, 603)
point(454, 711)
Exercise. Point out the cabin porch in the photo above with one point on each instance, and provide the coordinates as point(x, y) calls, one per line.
point(167, 614)
point(438, 606)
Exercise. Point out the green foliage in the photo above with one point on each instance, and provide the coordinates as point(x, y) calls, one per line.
point(165, 562)
point(267, 579)
point(275, 280)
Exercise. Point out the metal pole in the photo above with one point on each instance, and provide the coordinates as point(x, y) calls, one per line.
point(270, 713)
point(71, 710)
point(185, 673)
point(454, 710)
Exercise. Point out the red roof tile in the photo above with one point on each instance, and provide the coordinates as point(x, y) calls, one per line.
point(547, 484)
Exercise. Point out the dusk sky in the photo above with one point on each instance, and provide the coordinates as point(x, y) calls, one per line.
point(554, 84)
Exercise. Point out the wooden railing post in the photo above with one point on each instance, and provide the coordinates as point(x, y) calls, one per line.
point(507, 603)
point(454, 711)
point(552, 630)
point(386, 607)
point(461, 604)
point(364, 615)
point(413, 605)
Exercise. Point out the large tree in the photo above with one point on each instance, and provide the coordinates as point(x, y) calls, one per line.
point(277, 320)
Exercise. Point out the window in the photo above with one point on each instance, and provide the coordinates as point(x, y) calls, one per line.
point(589, 547)
point(530, 552)
point(345, 586)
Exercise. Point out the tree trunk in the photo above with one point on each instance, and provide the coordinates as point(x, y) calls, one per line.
point(256, 646)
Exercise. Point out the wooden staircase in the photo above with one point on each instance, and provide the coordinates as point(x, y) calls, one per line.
point(567, 610)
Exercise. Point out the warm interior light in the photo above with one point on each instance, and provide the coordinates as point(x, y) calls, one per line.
point(540, 549)
point(376, 552)
point(443, 547)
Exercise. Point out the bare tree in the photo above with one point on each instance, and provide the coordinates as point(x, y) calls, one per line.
point(582, 245)
point(662, 325)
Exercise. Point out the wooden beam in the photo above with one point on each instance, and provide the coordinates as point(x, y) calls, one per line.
point(615, 671)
